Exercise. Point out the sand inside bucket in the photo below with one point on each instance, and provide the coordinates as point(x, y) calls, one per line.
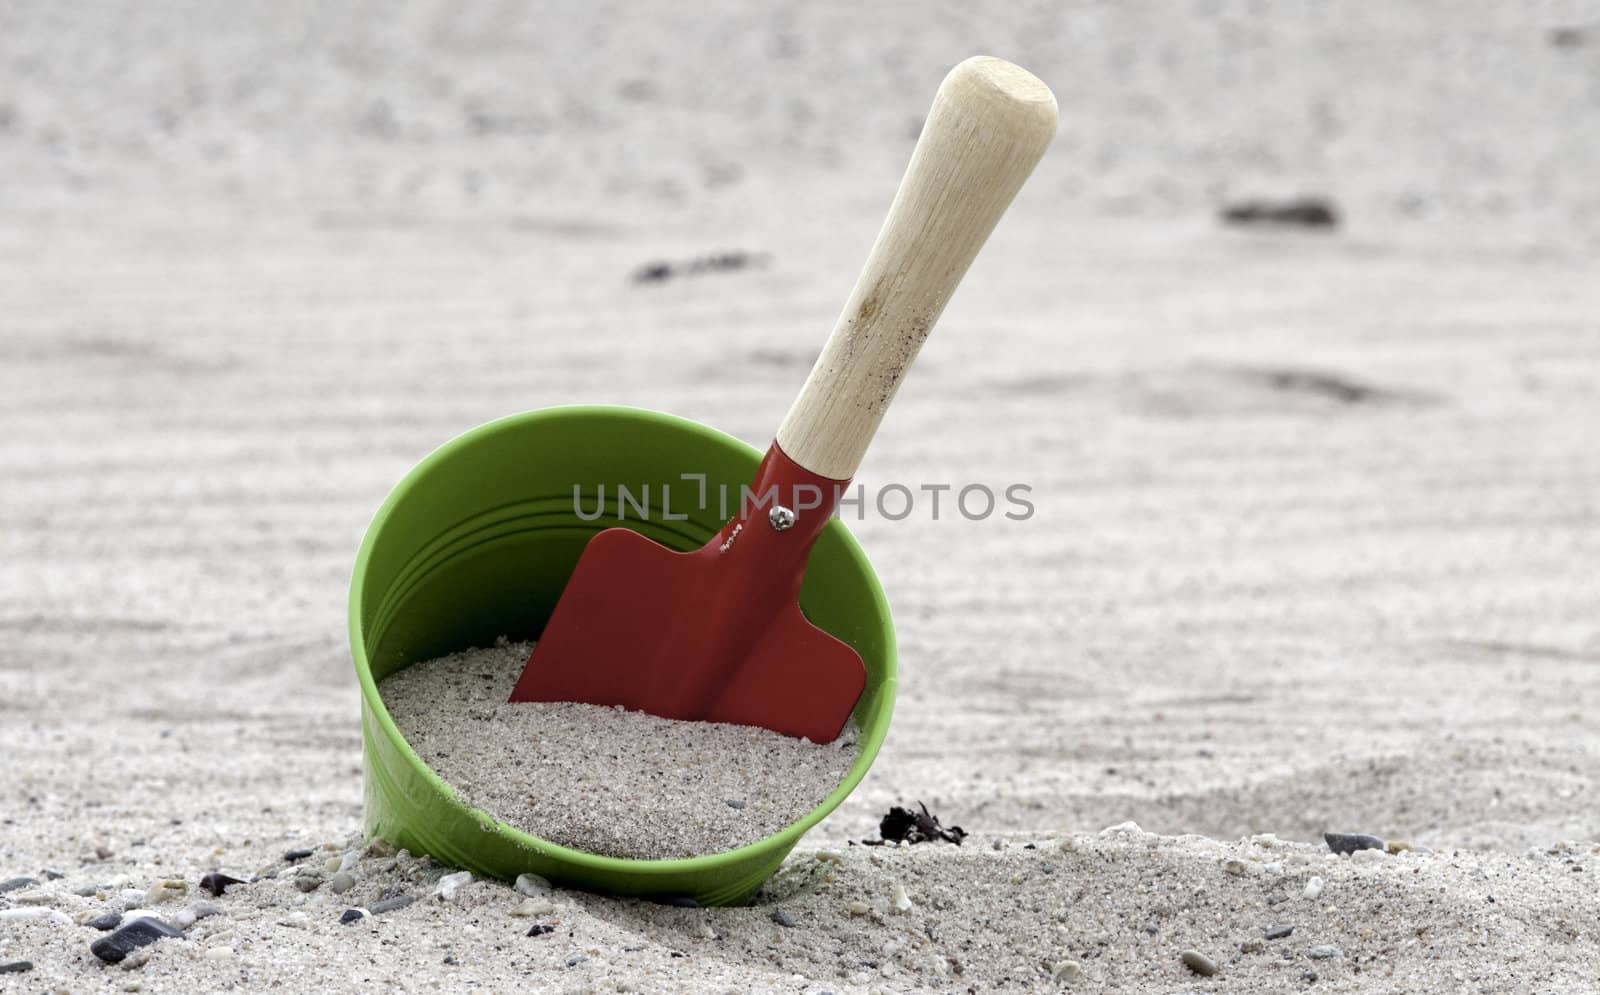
point(605, 780)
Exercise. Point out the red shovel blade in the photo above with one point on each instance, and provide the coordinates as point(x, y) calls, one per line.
point(716, 634)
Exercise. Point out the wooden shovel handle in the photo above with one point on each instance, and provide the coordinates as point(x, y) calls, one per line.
point(990, 123)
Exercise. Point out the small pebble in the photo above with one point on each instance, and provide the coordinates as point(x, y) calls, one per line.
point(166, 891)
point(858, 908)
point(1069, 971)
point(308, 882)
point(1279, 932)
point(88, 891)
point(296, 920)
point(217, 884)
point(451, 884)
point(1369, 856)
point(574, 961)
point(532, 885)
point(1351, 842)
point(1235, 867)
point(1398, 846)
point(16, 967)
point(703, 930)
point(379, 847)
point(391, 904)
point(1198, 962)
point(331, 865)
point(294, 855)
point(899, 898)
point(132, 962)
point(115, 947)
point(531, 907)
point(540, 929)
point(341, 882)
point(736, 803)
point(1323, 951)
point(830, 856)
point(1252, 946)
point(105, 922)
point(1313, 888)
point(221, 954)
point(33, 898)
point(352, 916)
point(783, 918)
point(349, 860)
point(13, 884)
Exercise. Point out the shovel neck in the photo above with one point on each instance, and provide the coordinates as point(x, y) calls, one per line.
point(779, 516)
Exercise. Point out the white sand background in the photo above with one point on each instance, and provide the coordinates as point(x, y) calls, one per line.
point(1316, 533)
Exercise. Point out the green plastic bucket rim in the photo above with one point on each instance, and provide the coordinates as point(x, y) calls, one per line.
point(871, 738)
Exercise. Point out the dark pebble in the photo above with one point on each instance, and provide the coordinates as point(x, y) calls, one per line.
point(1351, 842)
point(1307, 212)
point(50, 875)
point(1198, 962)
point(783, 918)
point(1279, 932)
point(140, 933)
point(350, 916)
point(736, 803)
point(390, 904)
point(540, 929)
point(217, 883)
point(105, 922)
point(1568, 37)
point(576, 960)
point(653, 273)
point(13, 884)
point(16, 967)
point(449, 958)
point(1309, 977)
point(294, 855)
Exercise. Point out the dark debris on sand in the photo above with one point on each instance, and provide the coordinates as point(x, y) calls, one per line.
point(660, 271)
point(1303, 212)
point(902, 825)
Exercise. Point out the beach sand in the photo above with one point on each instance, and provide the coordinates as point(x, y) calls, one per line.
point(605, 780)
point(1315, 512)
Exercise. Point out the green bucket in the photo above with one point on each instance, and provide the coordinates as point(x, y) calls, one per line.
point(477, 542)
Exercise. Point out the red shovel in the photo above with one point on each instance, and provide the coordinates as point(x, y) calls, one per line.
point(717, 634)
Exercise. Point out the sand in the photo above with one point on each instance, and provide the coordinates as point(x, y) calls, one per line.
point(605, 780)
point(1317, 517)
